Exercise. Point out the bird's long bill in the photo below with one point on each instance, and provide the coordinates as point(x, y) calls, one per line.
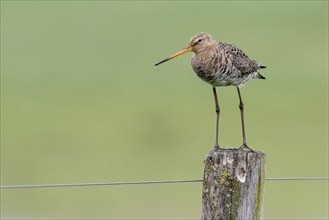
point(185, 50)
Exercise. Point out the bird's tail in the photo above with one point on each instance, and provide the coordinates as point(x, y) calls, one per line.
point(260, 66)
point(259, 76)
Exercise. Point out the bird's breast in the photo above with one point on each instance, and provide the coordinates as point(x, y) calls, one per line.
point(203, 63)
point(210, 67)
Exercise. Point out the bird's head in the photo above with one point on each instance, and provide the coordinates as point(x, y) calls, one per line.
point(199, 42)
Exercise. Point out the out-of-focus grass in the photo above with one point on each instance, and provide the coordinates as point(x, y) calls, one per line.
point(82, 102)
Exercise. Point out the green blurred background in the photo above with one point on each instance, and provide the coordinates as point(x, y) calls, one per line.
point(81, 101)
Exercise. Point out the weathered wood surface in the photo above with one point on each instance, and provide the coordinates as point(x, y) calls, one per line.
point(233, 185)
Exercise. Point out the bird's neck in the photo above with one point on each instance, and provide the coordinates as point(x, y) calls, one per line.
point(206, 48)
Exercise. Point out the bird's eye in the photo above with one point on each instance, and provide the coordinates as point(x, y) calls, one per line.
point(199, 40)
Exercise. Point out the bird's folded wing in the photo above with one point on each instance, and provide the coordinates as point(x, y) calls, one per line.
point(240, 60)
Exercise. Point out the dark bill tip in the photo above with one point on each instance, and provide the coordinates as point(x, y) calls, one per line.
point(162, 61)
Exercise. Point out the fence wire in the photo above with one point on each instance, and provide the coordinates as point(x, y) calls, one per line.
point(145, 182)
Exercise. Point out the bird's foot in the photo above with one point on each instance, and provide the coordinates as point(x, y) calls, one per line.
point(245, 146)
point(217, 147)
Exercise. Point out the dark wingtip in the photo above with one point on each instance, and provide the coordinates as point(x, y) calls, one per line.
point(262, 67)
point(260, 76)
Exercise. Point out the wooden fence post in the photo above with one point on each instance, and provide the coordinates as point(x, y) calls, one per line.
point(233, 185)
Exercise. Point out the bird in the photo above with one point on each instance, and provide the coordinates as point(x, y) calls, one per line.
point(221, 64)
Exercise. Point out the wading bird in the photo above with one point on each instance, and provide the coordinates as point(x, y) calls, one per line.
point(221, 64)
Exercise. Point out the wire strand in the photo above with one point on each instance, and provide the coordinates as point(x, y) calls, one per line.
point(142, 183)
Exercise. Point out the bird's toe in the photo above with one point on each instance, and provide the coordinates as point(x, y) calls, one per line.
point(245, 147)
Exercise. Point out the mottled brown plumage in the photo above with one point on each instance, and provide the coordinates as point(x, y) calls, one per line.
point(220, 64)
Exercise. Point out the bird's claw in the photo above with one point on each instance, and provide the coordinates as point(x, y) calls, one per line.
point(245, 146)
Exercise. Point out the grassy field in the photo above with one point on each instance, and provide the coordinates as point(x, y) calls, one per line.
point(81, 101)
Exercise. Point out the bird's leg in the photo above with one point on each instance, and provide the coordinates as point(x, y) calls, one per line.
point(241, 106)
point(217, 119)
